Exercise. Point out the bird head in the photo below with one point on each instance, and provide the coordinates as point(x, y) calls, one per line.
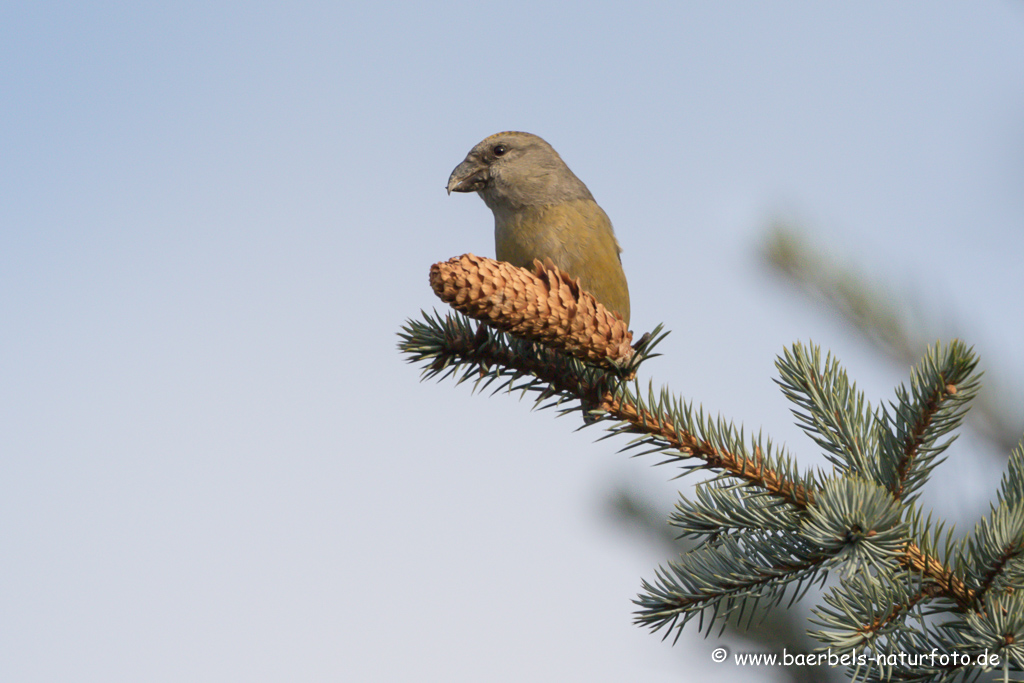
point(512, 170)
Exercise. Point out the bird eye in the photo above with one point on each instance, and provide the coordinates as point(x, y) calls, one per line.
point(499, 150)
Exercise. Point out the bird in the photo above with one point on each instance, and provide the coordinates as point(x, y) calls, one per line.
point(543, 211)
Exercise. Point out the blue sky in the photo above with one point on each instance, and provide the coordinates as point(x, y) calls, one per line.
point(214, 217)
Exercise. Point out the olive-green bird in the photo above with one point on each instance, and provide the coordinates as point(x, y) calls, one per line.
point(542, 210)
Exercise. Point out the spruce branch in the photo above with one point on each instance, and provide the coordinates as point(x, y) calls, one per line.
point(942, 386)
point(723, 506)
point(862, 610)
point(763, 528)
point(830, 409)
point(992, 556)
point(735, 573)
point(669, 427)
point(1011, 489)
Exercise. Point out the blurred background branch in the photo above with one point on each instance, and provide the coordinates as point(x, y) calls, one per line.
point(895, 326)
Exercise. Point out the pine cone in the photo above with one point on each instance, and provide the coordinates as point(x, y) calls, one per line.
point(545, 305)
